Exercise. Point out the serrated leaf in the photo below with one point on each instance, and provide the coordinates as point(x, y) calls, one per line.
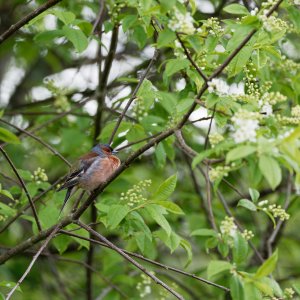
point(268, 266)
point(239, 152)
point(270, 169)
point(128, 22)
point(247, 204)
point(236, 9)
point(240, 60)
point(204, 232)
point(217, 267)
point(156, 214)
point(76, 37)
point(240, 249)
point(165, 37)
point(175, 65)
point(8, 137)
point(116, 214)
point(170, 206)
point(166, 189)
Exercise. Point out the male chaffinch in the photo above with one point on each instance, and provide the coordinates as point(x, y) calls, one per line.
point(91, 169)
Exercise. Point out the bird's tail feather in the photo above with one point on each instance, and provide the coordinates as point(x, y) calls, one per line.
point(68, 195)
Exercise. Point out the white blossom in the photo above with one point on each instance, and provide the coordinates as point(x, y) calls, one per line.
point(267, 109)
point(219, 86)
point(182, 22)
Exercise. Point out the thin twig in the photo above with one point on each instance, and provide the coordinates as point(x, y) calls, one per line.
point(153, 262)
point(35, 257)
point(133, 96)
point(38, 224)
point(54, 151)
point(14, 28)
point(131, 260)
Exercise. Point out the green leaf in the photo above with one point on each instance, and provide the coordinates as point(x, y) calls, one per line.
point(66, 17)
point(199, 157)
point(166, 189)
point(157, 215)
point(175, 65)
point(240, 249)
point(270, 169)
point(169, 206)
point(236, 288)
point(236, 9)
point(204, 232)
point(8, 137)
point(116, 214)
point(254, 194)
point(167, 4)
point(160, 155)
point(188, 248)
point(10, 285)
point(172, 241)
point(140, 36)
point(47, 37)
point(239, 152)
point(240, 60)
point(76, 37)
point(128, 22)
point(247, 204)
point(7, 194)
point(165, 37)
point(251, 292)
point(80, 232)
point(268, 266)
point(61, 243)
point(6, 210)
point(217, 267)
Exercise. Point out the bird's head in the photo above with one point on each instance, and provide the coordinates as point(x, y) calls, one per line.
point(103, 150)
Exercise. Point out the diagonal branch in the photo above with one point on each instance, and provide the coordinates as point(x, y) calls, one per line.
point(35, 257)
point(14, 28)
point(131, 260)
point(54, 151)
point(38, 224)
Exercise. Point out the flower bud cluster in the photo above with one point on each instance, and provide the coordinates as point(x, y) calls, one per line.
point(212, 26)
point(218, 172)
point(61, 103)
point(39, 175)
point(247, 234)
point(136, 194)
point(267, 101)
point(182, 22)
point(215, 138)
point(288, 293)
point(115, 10)
point(139, 110)
point(228, 227)
point(278, 212)
point(144, 286)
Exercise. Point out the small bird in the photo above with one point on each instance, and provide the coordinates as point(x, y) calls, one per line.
point(91, 169)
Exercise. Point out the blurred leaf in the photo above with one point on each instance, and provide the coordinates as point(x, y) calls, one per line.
point(204, 232)
point(8, 137)
point(169, 206)
point(236, 9)
point(216, 267)
point(76, 37)
point(236, 288)
point(165, 37)
point(268, 266)
point(240, 249)
point(166, 189)
point(175, 65)
point(116, 214)
point(247, 204)
point(271, 170)
point(239, 152)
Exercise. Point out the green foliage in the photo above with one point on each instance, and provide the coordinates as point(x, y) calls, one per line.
point(215, 204)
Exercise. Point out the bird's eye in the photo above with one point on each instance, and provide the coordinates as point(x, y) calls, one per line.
point(106, 150)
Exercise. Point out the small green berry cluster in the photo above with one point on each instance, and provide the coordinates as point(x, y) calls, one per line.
point(215, 138)
point(276, 210)
point(39, 175)
point(139, 111)
point(247, 234)
point(212, 26)
point(136, 195)
point(228, 227)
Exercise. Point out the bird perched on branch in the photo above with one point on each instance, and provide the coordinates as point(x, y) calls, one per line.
point(91, 169)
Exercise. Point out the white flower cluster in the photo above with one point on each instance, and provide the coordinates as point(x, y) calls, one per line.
point(297, 2)
point(220, 87)
point(182, 22)
point(39, 175)
point(273, 24)
point(228, 226)
point(288, 293)
point(245, 123)
point(144, 287)
point(135, 195)
point(276, 210)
